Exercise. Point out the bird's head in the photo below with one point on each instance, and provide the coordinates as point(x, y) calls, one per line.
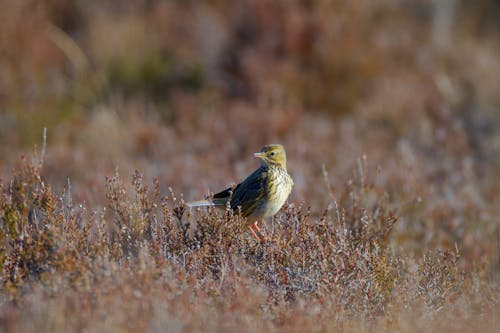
point(273, 154)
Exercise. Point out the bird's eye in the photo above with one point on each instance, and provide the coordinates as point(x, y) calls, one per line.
point(272, 153)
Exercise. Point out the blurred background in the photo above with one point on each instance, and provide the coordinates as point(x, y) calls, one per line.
point(406, 92)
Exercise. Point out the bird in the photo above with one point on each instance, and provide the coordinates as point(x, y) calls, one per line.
point(261, 194)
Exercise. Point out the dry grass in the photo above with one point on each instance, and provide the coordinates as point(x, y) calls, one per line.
point(144, 263)
point(391, 124)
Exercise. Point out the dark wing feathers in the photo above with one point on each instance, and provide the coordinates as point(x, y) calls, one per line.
point(226, 194)
point(249, 192)
point(246, 195)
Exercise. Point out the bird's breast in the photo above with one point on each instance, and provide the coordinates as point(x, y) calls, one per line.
point(279, 186)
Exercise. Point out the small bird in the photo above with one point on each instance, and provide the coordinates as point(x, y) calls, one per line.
point(260, 195)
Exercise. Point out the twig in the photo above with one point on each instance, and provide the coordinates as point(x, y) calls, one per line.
point(44, 144)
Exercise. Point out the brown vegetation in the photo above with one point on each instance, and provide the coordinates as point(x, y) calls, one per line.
point(389, 114)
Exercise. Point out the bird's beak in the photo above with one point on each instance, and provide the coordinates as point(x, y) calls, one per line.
point(259, 155)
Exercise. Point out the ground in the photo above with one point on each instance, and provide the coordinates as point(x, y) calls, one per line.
point(113, 115)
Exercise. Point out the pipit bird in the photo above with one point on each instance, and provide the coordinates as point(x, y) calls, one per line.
point(261, 194)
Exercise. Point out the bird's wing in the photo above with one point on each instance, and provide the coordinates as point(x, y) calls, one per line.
point(224, 196)
point(246, 195)
point(249, 192)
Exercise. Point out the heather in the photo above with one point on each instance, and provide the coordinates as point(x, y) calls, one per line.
point(113, 115)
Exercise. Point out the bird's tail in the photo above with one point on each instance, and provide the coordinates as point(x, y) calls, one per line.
point(204, 203)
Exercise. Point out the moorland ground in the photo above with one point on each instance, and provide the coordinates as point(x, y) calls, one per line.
point(389, 112)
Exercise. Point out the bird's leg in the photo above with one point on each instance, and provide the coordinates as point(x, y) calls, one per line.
point(254, 234)
point(256, 226)
point(257, 232)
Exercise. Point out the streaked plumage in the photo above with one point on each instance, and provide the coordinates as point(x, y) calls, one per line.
point(261, 194)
